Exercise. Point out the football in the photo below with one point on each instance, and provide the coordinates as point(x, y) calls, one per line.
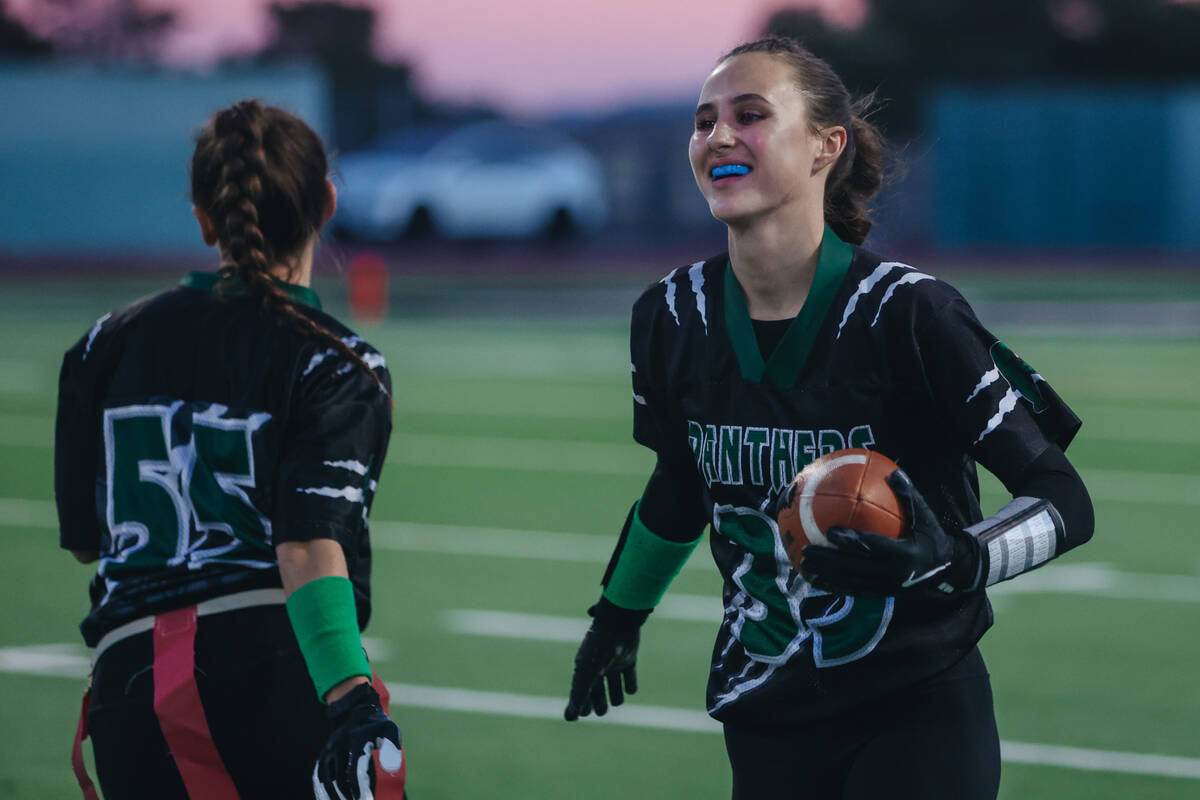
point(846, 488)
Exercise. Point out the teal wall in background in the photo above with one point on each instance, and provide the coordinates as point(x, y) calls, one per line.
point(1183, 198)
point(95, 161)
point(1067, 169)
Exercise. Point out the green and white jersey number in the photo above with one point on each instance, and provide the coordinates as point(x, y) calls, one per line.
point(775, 611)
point(177, 478)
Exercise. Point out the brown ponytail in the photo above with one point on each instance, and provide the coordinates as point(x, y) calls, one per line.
point(259, 174)
point(858, 174)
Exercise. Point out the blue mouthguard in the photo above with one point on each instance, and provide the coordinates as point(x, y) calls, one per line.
point(730, 169)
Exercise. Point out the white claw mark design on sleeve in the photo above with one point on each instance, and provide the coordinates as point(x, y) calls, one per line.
point(864, 288)
point(669, 282)
point(354, 466)
point(696, 276)
point(912, 277)
point(93, 333)
point(989, 377)
point(1007, 404)
point(351, 493)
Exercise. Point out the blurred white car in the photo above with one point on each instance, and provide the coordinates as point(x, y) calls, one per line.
point(484, 180)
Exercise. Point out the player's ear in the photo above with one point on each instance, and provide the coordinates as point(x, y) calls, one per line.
point(207, 229)
point(330, 200)
point(830, 143)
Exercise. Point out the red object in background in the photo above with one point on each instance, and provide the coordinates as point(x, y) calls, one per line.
point(368, 278)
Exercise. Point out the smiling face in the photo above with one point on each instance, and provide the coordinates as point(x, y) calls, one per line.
point(753, 149)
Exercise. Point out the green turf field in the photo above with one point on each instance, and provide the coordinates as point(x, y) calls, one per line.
point(510, 471)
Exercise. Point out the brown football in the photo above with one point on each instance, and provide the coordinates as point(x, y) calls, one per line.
point(846, 488)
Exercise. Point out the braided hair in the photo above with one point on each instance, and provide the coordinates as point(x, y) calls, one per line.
point(858, 174)
point(259, 174)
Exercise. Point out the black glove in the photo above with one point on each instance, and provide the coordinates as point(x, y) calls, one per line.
point(608, 654)
point(928, 559)
point(344, 767)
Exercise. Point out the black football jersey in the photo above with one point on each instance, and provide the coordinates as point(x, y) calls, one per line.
point(882, 356)
point(195, 432)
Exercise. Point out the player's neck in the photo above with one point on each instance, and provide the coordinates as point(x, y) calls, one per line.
point(297, 270)
point(774, 260)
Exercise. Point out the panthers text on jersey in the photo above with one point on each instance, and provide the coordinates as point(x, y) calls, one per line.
point(881, 356)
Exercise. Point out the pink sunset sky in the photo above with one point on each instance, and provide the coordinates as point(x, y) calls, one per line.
point(527, 56)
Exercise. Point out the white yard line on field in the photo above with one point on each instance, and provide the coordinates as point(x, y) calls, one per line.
point(377, 649)
point(612, 458)
point(26, 430)
point(1163, 425)
point(543, 455)
point(1156, 488)
point(1097, 580)
point(19, 513)
point(506, 625)
point(72, 661)
point(537, 707)
point(461, 540)
point(547, 628)
point(1099, 760)
point(75, 660)
point(1101, 580)
point(466, 402)
point(456, 540)
point(592, 359)
point(56, 660)
point(561, 455)
point(20, 376)
point(1104, 423)
point(690, 607)
point(438, 450)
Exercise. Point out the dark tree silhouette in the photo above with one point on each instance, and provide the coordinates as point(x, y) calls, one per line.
point(114, 31)
point(369, 96)
point(907, 47)
point(17, 41)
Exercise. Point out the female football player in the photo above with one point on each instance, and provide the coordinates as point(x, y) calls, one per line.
point(217, 450)
point(860, 677)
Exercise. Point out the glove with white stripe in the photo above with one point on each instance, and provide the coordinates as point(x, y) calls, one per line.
point(345, 769)
point(927, 559)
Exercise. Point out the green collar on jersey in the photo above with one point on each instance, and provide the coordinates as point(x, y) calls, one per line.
point(208, 282)
point(783, 367)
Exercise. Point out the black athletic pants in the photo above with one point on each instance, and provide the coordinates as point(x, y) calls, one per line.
point(936, 740)
point(260, 704)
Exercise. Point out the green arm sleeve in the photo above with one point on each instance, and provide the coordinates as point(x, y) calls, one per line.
point(645, 567)
point(326, 625)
